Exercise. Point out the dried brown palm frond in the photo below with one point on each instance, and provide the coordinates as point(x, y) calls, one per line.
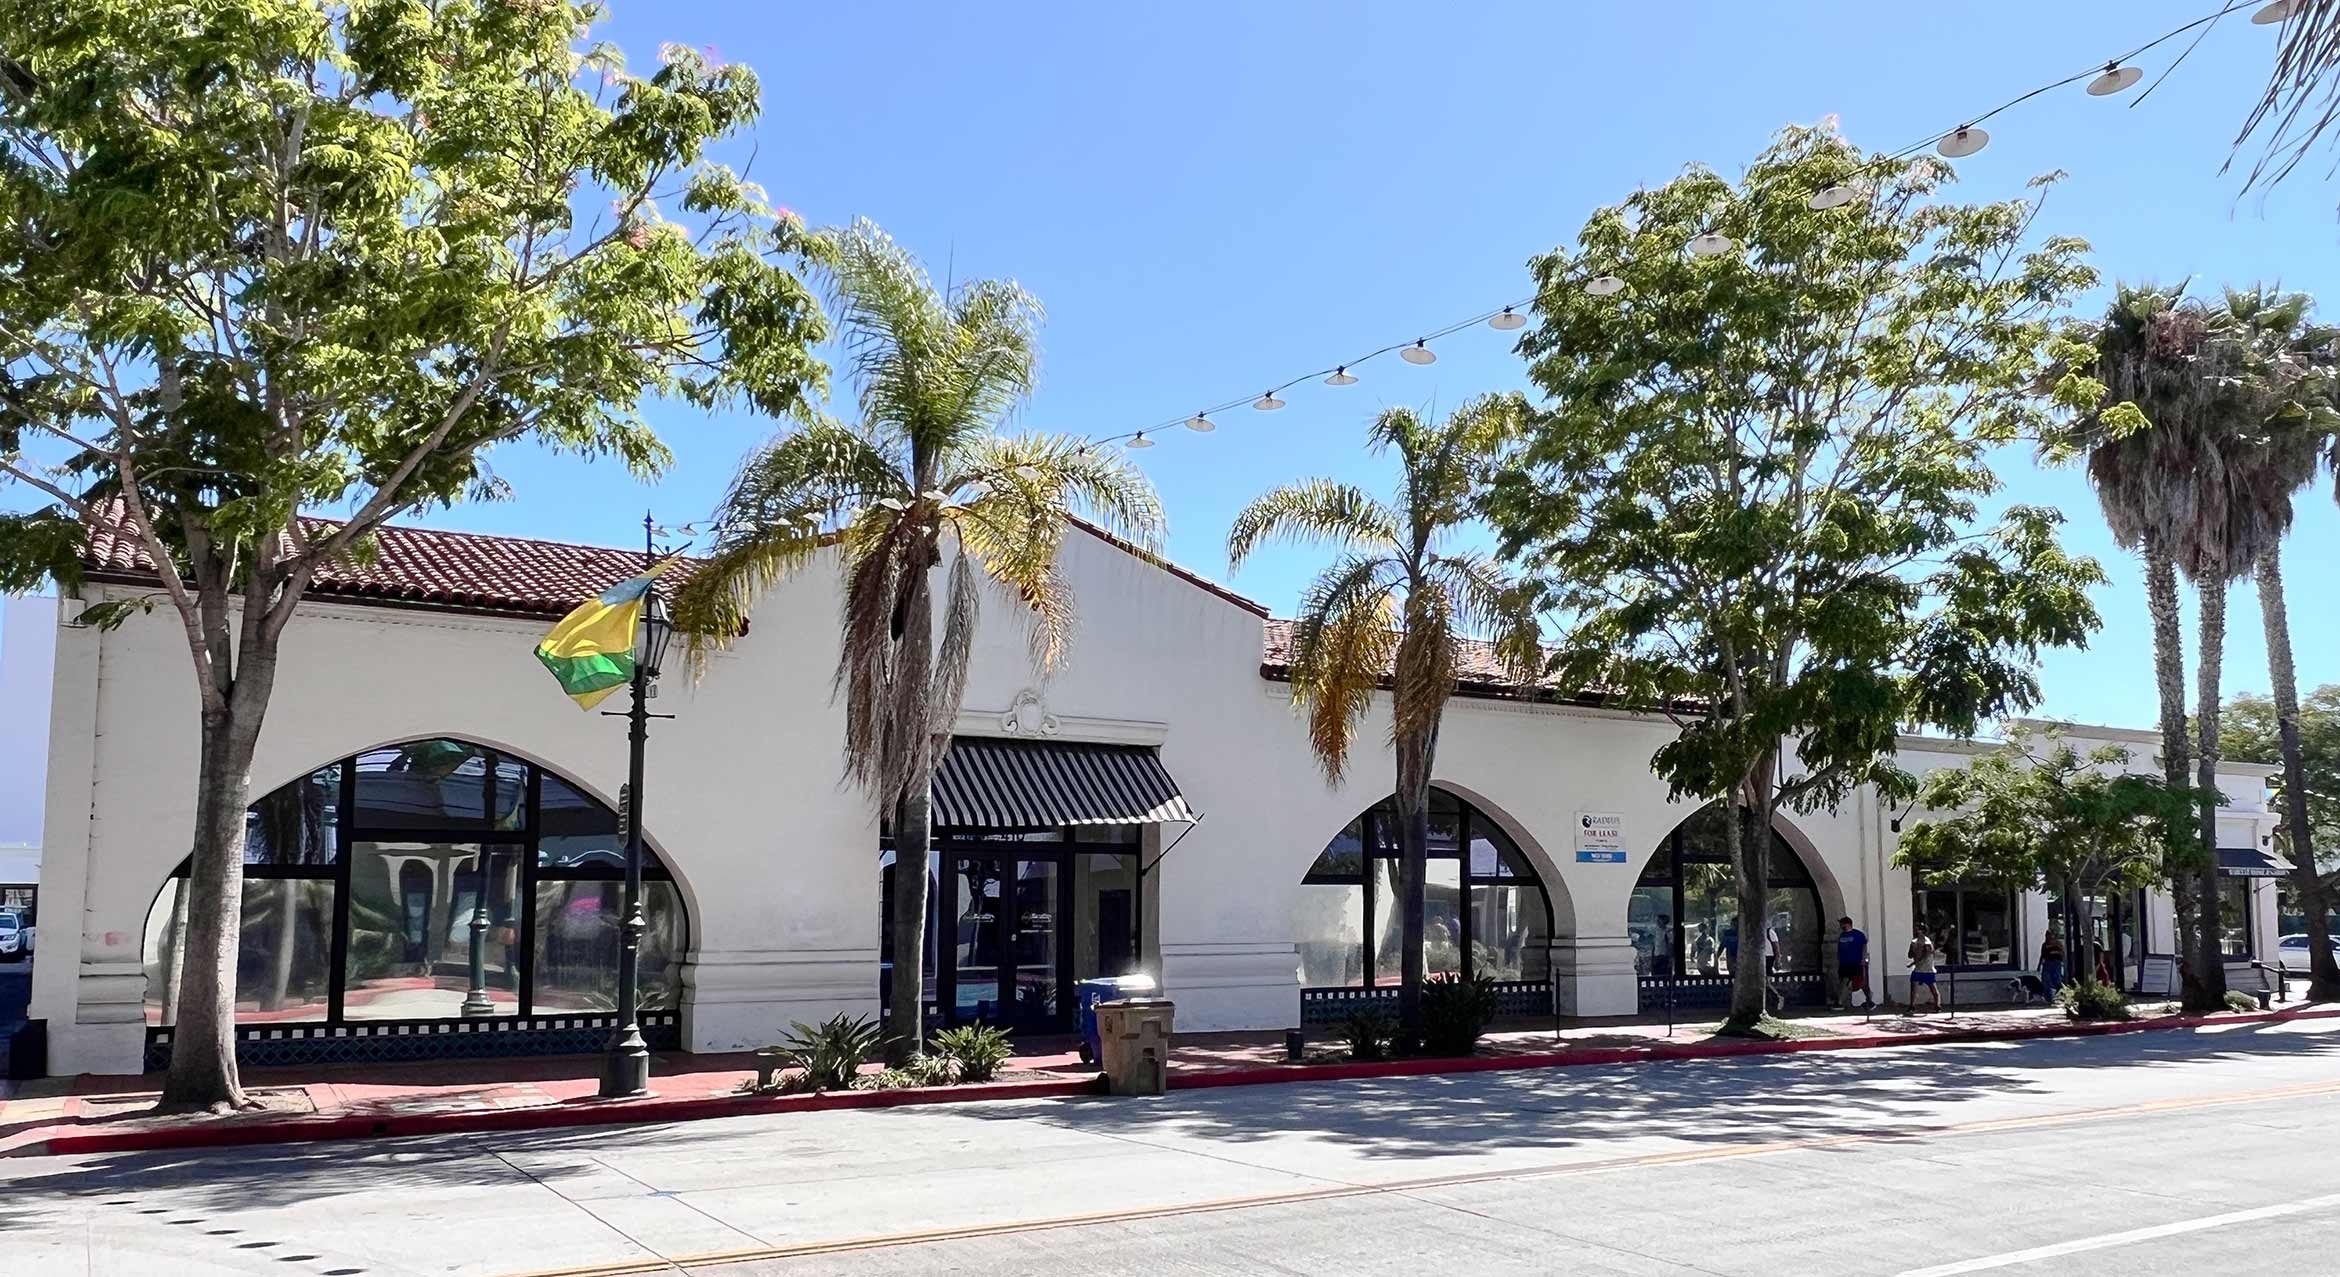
point(2301, 102)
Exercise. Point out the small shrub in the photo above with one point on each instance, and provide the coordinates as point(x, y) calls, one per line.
point(1455, 1012)
point(933, 1070)
point(2089, 1000)
point(887, 1080)
point(831, 1052)
point(1368, 1033)
point(2237, 1000)
point(975, 1050)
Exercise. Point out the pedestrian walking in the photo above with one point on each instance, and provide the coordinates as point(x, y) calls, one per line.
point(1921, 968)
point(1772, 993)
point(2051, 963)
point(1852, 963)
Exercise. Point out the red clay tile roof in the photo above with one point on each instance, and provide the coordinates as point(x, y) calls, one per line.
point(1478, 671)
point(432, 568)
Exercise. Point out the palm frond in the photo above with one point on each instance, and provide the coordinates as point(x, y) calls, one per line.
point(1488, 604)
point(962, 608)
point(1343, 642)
point(1317, 510)
point(769, 523)
point(2301, 102)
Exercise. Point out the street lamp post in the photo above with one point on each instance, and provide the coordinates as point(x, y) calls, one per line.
point(626, 1070)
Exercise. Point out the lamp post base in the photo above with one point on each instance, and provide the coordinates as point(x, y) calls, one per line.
point(625, 1070)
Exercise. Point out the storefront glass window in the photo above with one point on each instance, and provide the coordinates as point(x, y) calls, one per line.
point(1973, 924)
point(284, 955)
point(1684, 916)
point(2234, 916)
point(1485, 912)
point(577, 940)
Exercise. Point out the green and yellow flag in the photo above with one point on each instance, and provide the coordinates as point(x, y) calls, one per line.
point(591, 651)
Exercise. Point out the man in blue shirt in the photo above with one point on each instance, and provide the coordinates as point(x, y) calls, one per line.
point(1852, 963)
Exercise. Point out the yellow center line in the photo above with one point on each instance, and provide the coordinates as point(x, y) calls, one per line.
point(961, 1232)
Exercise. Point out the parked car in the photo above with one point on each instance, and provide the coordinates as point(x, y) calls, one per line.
point(2292, 951)
point(15, 938)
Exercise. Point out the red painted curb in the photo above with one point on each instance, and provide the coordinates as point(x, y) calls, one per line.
point(1274, 1073)
point(598, 1112)
point(580, 1112)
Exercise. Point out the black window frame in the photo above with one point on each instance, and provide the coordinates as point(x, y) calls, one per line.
point(1370, 849)
point(1671, 858)
point(348, 832)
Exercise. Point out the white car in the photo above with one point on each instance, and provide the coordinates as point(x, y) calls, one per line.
point(2292, 951)
point(16, 939)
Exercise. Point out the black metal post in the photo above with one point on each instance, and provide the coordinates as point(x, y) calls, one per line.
point(626, 1071)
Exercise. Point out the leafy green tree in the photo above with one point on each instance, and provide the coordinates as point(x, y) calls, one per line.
point(936, 375)
point(1754, 495)
point(1391, 612)
point(268, 255)
point(2039, 813)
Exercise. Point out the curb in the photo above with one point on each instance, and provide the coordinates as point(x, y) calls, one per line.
point(566, 1113)
point(598, 1112)
point(1274, 1073)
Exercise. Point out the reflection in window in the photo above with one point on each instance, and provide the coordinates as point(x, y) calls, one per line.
point(1485, 911)
point(284, 959)
point(578, 929)
point(423, 846)
point(1973, 923)
point(2234, 917)
point(1684, 918)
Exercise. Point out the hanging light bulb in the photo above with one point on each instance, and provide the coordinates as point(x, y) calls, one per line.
point(1507, 321)
point(1418, 353)
point(1341, 377)
point(936, 495)
point(1141, 441)
point(2273, 13)
point(1201, 424)
point(1964, 142)
point(1604, 286)
point(813, 520)
point(1267, 402)
point(1833, 195)
point(1710, 245)
point(893, 503)
point(2115, 78)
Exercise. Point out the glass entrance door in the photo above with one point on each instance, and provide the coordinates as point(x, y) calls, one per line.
point(1008, 945)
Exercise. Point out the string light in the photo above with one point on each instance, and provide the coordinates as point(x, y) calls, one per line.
point(1964, 142)
point(2104, 79)
point(2115, 78)
point(894, 503)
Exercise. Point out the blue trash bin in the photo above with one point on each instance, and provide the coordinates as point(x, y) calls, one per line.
point(1104, 989)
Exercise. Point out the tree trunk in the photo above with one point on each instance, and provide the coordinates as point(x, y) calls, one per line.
point(1748, 829)
point(203, 1047)
point(2323, 972)
point(1413, 807)
point(2169, 670)
point(2080, 950)
point(905, 1028)
point(2209, 993)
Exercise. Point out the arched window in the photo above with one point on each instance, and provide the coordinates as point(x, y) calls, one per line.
point(1486, 913)
point(1684, 915)
point(367, 881)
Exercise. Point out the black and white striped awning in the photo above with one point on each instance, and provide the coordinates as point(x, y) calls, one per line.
point(1026, 784)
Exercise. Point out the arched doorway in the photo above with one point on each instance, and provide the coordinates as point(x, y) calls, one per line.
point(1487, 912)
point(1684, 919)
point(429, 899)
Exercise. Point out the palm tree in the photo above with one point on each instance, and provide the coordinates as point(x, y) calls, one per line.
point(935, 374)
point(1392, 610)
point(2287, 402)
point(2147, 476)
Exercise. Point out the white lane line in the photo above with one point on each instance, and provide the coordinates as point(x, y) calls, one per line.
point(2129, 1238)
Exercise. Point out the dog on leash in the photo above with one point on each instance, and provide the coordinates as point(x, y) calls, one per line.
point(2024, 988)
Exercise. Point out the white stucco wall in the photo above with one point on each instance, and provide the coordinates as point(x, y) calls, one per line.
point(777, 855)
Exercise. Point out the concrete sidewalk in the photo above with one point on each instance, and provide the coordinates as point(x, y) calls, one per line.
point(93, 1114)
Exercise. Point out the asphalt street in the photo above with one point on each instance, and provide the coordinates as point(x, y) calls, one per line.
point(2169, 1152)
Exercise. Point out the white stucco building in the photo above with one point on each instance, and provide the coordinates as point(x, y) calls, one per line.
point(1152, 803)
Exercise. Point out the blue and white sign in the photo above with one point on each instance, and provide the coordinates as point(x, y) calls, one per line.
point(1600, 838)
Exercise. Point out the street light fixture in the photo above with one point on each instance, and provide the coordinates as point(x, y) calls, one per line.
point(626, 1070)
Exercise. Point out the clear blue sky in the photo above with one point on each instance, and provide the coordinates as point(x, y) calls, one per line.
point(1213, 197)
